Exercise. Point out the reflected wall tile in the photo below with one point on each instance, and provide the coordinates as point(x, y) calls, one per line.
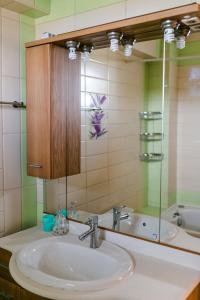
point(96, 85)
point(98, 70)
point(77, 197)
point(96, 147)
point(97, 176)
point(76, 182)
point(96, 162)
point(97, 191)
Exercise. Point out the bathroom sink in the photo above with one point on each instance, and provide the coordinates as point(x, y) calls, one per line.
point(67, 263)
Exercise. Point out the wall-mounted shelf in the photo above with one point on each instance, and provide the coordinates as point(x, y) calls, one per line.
point(151, 157)
point(150, 115)
point(148, 137)
point(143, 28)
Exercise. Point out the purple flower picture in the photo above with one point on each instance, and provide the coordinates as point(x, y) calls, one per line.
point(97, 115)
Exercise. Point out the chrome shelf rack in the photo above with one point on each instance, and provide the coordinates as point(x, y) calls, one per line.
point(146, 136)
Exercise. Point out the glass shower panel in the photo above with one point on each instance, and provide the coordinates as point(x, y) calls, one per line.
point(181, 167)
point(121, 102)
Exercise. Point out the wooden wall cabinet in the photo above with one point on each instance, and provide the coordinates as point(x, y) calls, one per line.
point(53, 112)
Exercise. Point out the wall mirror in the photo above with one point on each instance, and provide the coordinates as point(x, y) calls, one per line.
point(139, 144)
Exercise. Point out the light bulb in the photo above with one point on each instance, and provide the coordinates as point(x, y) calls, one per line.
point(169, 35)
point(180, 42)
point(181, 33)
point(168, 27)
point(86, 50)
point(114, 38)
point(72, 53)
point(128, 46)
point(72, 47)
point(128, 50)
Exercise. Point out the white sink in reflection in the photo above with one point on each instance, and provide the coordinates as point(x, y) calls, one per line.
point(141, 225)
point(67, 263)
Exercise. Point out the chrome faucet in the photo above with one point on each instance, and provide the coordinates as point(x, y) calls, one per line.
point(93, 232)
point(117, 217)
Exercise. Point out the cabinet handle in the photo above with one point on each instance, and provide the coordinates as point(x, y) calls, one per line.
point(36, 166)
point(6, 296)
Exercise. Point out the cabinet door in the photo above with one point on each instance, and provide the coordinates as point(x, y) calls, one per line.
point(25, 295)
point(38, 111)
point(9, 291)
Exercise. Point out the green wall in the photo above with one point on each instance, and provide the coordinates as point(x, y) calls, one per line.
point(65, 8)
point(29, 192)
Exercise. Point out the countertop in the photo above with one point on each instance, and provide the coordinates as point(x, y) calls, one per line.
point(153, 278)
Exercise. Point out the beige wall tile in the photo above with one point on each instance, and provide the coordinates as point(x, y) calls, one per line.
point(12, 158)
point(100, 16)
point(10, 89)
point(10, 47)
point(12, 200)
point(55, 27)
point(2, 228)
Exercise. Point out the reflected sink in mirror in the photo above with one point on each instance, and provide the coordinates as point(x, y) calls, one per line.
point(67, 263)
point(141, 225)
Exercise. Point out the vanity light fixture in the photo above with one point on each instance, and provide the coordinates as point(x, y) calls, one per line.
point(114, 38)
point(128, 44)
point(72, 46)
point(181, 33)
point(86, 50)
point(168, 27)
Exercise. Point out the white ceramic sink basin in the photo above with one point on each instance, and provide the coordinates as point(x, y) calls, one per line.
point(67, 263)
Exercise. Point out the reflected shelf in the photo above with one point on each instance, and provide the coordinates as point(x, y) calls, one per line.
point(150, 115)
point(147, 137)
point(151, 157)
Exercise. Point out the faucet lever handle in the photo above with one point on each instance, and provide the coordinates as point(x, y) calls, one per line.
point(118, 209)
point(92, 221)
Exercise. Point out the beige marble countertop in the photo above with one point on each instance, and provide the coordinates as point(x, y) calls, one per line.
point(153, 278)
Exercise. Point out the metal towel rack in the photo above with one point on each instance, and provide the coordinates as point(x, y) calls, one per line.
point(14, 104)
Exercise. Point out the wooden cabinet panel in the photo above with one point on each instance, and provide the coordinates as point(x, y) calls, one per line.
point(8, 290)
point(25, 295)
point(4, 264)
point(195, 295)
point(53, 112)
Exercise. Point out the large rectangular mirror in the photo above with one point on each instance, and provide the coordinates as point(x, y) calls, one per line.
point(139, 145)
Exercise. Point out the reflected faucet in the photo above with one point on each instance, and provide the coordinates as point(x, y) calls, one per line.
point(93, 232)
point(179, 220)
point(117, 217)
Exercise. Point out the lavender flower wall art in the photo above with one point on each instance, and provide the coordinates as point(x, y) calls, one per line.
point(96, 116)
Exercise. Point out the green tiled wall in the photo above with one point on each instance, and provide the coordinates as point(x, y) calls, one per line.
point(29, 192)
point(64, 8)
